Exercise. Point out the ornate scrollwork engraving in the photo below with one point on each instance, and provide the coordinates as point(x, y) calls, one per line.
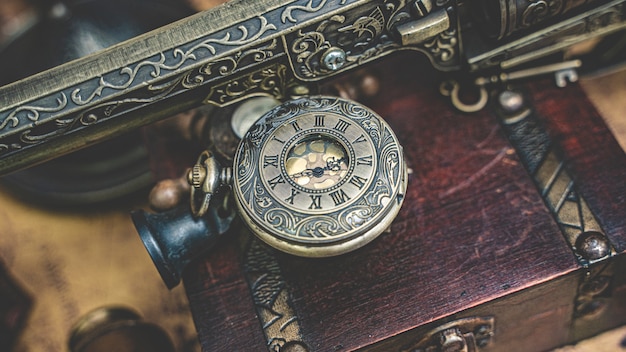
point(230, 64)
point(362, 35)
point(540, 10)
point(336, 223)
point(273, 80)
point(32, 112)
point(222, 67)
point(282, 220)
point(287, 15)
point(153, 69)
point(359, 36)
point(271, 297)
point(443, 47)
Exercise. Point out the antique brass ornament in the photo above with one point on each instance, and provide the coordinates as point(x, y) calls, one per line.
point(314, 177)
point(471, 334)
point(117, 328)
point(280, 49)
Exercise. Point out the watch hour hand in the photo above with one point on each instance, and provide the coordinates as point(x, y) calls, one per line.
point(315, 172)
point(332, 164)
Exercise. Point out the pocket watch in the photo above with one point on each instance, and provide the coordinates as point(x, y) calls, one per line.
point(315, 177)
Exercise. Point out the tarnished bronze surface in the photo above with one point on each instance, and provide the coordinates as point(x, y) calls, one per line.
point(278, 48)
point(319, 176)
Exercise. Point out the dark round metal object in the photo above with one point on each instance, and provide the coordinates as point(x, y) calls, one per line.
point(117, 329)
point(100, 173)
point(168, 194)
point(175, 238)
point(592, 245)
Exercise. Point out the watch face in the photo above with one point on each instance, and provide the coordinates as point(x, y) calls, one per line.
point(317, 162)
point(319, 176)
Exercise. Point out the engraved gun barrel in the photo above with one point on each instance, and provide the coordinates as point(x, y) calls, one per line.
point(228, 53)
point(502, 18)
point(511, 33)
point(279, 48)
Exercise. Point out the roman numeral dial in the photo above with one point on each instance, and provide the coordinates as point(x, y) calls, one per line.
point(318, 173)
point(318, 162)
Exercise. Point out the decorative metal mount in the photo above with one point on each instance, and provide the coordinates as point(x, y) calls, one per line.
point(461, 335)
point(578, 224)
point(271, 296)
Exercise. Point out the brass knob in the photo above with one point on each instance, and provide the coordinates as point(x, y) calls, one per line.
point(196, 176)
point(452, 340)
point(206, 178)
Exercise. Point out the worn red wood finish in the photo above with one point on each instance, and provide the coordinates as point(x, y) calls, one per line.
point(474, 237)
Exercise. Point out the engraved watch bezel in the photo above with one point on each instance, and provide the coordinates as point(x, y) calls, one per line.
point(371, 192)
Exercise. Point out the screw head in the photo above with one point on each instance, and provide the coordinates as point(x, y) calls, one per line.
point(334, 59)
point(592, 245)
point(451, 340)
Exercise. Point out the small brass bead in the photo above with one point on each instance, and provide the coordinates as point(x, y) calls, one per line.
point(511, 101)
point(370, 86)
point(362, 86)
point(167, 194)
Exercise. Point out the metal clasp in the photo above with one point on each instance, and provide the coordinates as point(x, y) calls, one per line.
point(564, 73)
point(462, 335)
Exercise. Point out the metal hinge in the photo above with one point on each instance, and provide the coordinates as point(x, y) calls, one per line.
point(462, 335)
point(557, 187)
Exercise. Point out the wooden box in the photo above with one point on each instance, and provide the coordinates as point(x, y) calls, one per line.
point(511, 238)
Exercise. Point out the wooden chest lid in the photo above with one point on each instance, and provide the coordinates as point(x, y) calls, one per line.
point(473, 228)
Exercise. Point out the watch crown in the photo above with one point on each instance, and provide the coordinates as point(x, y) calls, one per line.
point(196, 176)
